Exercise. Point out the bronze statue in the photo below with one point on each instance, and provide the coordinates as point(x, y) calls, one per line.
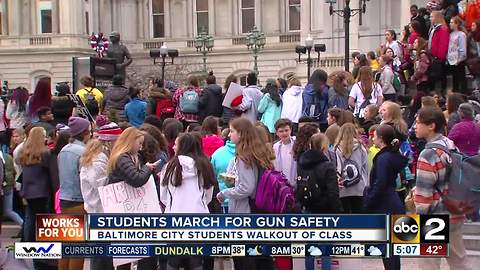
point(120, 53)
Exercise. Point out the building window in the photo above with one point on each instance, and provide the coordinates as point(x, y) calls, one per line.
point(87, 22)
point(248, 15)
point(158, 18)
point(294, 15)
point(202, 16)
point(45, 17)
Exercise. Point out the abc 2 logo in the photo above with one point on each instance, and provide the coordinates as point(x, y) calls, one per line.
point(415, 229)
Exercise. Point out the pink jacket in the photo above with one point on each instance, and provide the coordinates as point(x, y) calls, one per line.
point(211, 143)
point(440, 40)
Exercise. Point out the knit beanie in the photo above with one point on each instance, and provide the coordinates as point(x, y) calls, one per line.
point(77, 125)
point(109, 132)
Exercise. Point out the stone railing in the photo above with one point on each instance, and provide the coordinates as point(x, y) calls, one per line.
point(190, 43)
point(147, 45)
point(36, 41)
point(329, 62)
point(239, 41)
point(290, 38)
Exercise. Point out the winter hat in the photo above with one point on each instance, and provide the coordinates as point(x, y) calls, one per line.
point(101, 120)
point(465, 111)
point(61, 128)
point(109, 132)
point(77, 125)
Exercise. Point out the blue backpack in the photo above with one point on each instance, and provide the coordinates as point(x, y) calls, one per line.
point(189, 102)
point(463, 196)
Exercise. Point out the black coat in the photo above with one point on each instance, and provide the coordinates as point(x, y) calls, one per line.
point(62, 108)
point(380, 197)
point(126, 170)
point(211, 101)
point(316, 165)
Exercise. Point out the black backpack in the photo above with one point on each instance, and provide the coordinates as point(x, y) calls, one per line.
point(90, 102)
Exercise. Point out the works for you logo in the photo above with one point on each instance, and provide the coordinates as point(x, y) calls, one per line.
point(38, 250)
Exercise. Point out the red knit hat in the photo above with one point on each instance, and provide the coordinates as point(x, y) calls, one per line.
point(109, 132)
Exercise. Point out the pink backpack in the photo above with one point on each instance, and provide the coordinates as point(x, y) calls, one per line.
point(274, 193)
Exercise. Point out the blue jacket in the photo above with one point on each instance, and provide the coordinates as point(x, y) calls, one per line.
point(315, 104)
point(380, 197)
point(220, 161)
point(135, 111)
point(270, 112)
point(69, 171)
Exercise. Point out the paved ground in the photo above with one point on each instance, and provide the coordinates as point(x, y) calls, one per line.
point(8, 230)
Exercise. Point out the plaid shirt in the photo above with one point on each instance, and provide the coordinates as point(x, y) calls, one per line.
point(432, 174)
point(189, 117)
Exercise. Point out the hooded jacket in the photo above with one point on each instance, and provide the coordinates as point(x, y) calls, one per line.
point(92, 177)
point(116, 97)
point(190, 196)
point(270, 112)
point(293, 97)
point(315, 104)
point(315, 164)
point(380, 197)
point(251, 98)
point(220, 161)
point(359, 156)
point(211, 101)
point(62, 108)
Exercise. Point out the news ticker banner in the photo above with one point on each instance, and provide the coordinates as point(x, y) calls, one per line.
point(213, 228)
point(397, 229)
point(57, 250)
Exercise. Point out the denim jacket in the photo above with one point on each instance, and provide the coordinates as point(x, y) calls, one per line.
point(69, 171)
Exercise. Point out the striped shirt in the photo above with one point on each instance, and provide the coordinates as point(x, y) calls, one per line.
point(432, 168)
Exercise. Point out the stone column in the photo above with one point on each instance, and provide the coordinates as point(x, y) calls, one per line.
point(211, 17)
point(258, 15)
point(189, 13)
point(72, 17)
point(305, 20)
point(283, 16)
point(354, 28)
point(235, 20)
point(55, 17)
point(168, 19)
point(405, 12)
point(14, 12)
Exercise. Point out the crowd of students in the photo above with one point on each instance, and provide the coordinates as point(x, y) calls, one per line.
point(357, 136)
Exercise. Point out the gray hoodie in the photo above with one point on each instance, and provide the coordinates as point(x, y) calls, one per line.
point(359, 156)
point(244, 189)
point(251, 98)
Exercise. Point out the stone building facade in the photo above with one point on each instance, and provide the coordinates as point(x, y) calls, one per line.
point(38, 38)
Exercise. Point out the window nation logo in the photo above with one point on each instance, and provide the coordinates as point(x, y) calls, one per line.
point(38, 250)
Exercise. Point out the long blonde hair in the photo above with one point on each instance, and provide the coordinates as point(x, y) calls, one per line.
point(396, 118)
point(33, 148)
point(123, 145)
point(346, 139)
point(92, 149)
point(251, 148)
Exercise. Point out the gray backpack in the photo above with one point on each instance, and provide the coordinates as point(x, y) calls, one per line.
point(463, 179)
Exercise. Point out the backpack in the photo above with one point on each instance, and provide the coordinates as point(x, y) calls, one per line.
point(463, 196)
point(274, 194)
point(397, 84)
point(90, 102)
point(189, 102)
point(349, 171)
point(164, 108)
point(340, 101)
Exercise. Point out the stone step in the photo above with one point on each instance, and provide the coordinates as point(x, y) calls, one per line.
point(472, 228)
point(472, 242)
point(473, 253)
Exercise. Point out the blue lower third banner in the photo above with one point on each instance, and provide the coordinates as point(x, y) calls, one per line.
point(237, 228)
point(228, 250)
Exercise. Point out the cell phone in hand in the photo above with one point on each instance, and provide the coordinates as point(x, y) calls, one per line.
point(156, 163)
